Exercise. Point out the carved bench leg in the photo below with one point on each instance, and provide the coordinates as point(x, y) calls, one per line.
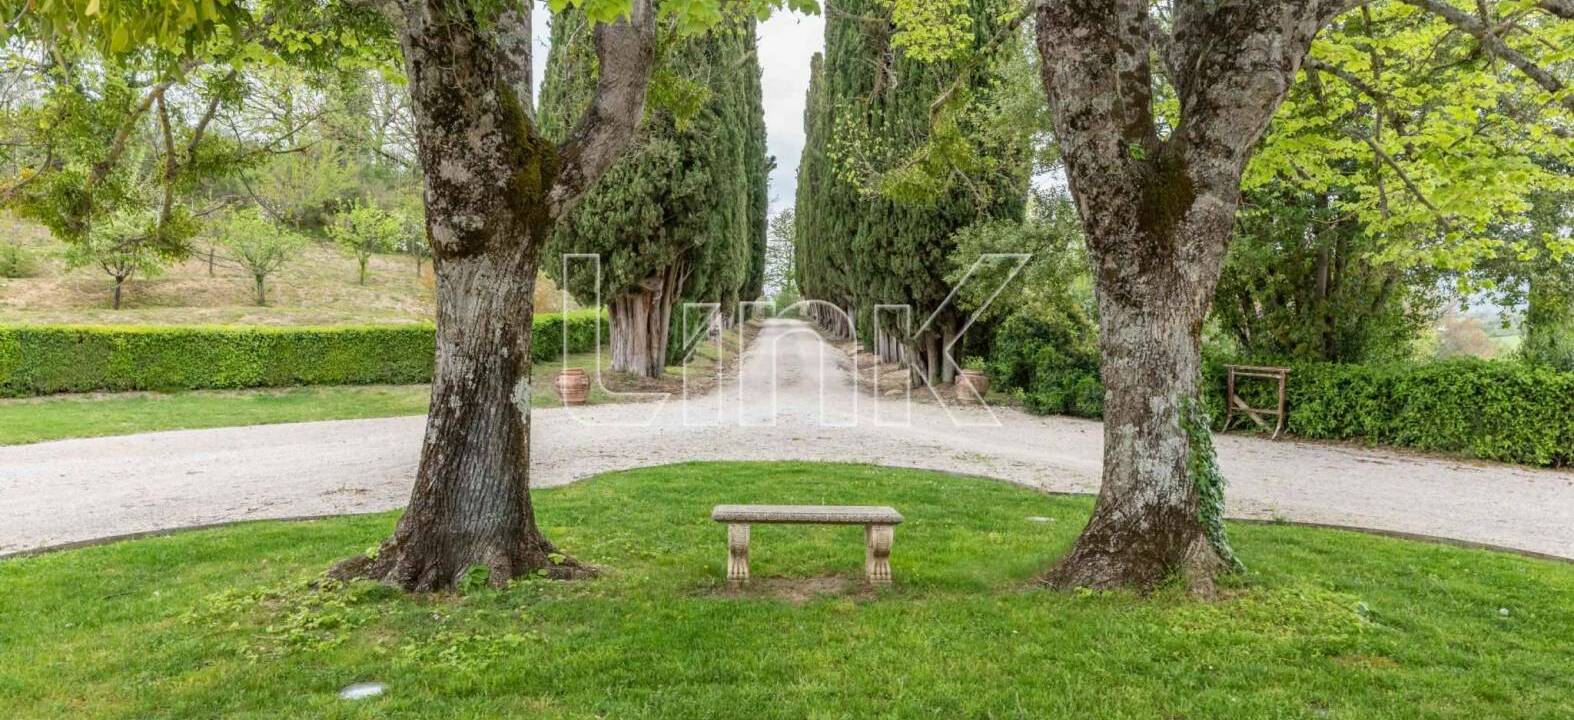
point(877, 553)
point(737, 553)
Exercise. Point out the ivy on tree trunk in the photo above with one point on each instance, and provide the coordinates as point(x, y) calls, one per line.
point(1157, 214)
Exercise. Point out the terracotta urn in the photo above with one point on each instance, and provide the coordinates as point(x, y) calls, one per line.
point(978, 380)
point(573, 386)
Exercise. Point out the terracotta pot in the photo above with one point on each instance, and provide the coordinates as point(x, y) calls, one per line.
point(573, 386)
point(976, 379)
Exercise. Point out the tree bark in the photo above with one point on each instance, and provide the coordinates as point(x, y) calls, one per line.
point(262, 294)
point(947, 367)
point(471, 504)
point(119, 283)
point(1147, 524)
point(493, 189)
point(1157, 214)
point(1561, 8)
point(640, 322)
point(932, 358)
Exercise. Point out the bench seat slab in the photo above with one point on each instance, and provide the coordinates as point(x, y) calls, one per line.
point(808, 514)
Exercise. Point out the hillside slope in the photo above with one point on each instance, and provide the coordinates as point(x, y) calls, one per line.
point(318, 288)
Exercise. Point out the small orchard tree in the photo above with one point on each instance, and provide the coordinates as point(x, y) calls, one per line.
point(101, 123)
point(412, 236)
point(122, 245)
point(259, 246)
point(366, 230)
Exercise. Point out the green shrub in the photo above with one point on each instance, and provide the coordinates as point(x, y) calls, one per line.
point(39, 360)
point(17, 262)
point(1049, 365)
point(1494, 410)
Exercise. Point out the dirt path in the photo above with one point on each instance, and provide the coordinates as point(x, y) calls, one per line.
point(792, 400)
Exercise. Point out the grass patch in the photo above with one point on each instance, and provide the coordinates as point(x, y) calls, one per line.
point(79, 416)
point(62, 417)
point(1325, 624)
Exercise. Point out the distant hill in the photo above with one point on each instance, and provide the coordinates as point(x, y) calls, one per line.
point(318, 288)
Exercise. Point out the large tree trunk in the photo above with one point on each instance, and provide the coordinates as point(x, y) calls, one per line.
point(471, 504)
point(640, 321)
point(493, 189)
point(1148, 522)
point(948, 367)
point(1157, 213)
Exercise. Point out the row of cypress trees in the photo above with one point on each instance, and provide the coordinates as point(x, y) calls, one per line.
point(859, 244)
point(681, 217)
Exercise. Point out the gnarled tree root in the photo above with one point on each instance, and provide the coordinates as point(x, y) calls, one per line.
point(1138, 566)
point(428, 569)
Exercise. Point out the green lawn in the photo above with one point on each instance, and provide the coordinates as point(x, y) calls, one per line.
point(1326, 624)
point(75, 416)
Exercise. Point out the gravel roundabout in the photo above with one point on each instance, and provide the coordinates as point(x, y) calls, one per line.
point(792, 399)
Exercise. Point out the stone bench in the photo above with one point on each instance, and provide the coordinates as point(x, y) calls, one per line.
point(879, 529)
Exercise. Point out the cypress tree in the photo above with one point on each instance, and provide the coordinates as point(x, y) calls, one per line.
point(823, 209)
point(673, 220)
point(862, 246)
point(759, 167)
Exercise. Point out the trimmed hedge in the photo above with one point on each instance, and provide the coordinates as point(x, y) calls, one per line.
point(1493, 410)
point(40, 360)
point(549, 343)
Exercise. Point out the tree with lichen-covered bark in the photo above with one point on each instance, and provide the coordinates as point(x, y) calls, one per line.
point(1158, 205)
point(1157, 109)
point(494, 188)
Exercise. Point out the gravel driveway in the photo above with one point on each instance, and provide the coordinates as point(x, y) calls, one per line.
point(792, 400)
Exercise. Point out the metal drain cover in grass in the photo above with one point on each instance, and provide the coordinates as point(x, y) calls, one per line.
point(362, 691)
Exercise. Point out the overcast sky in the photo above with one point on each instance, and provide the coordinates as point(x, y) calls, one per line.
point(787, 41)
